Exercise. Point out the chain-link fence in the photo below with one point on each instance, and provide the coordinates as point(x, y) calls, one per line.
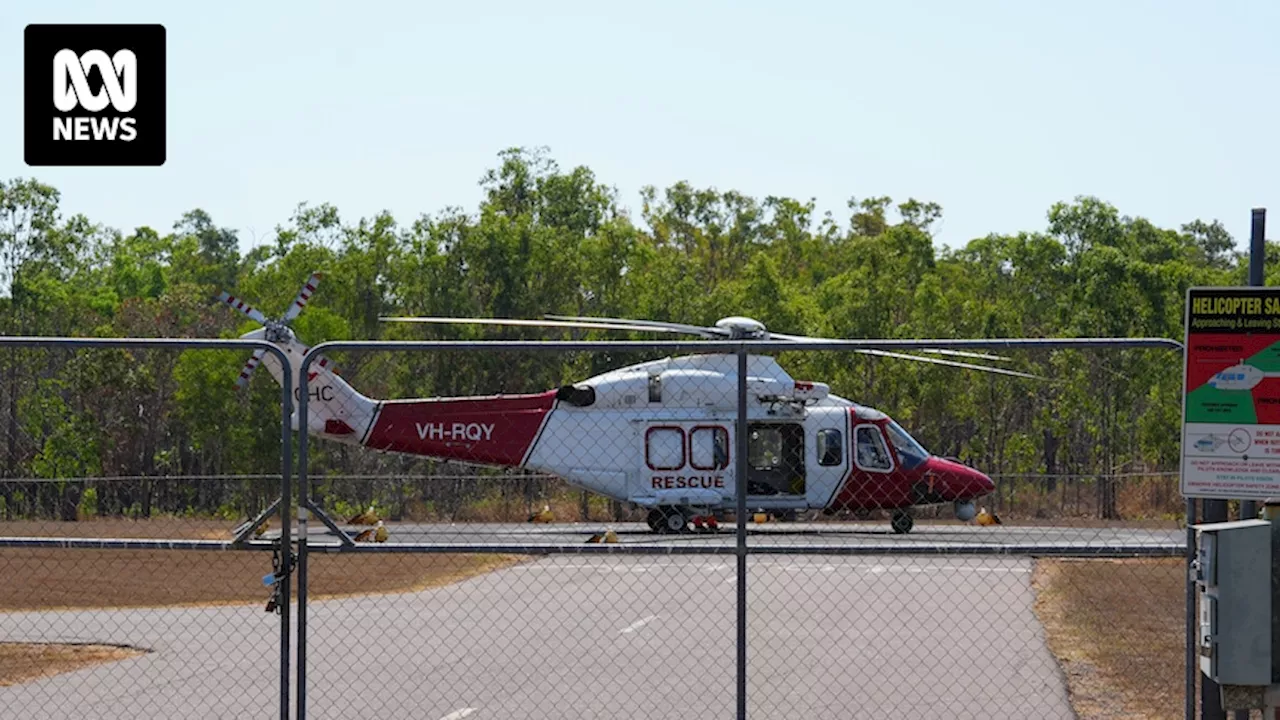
point(132, 564)
point(559, 530)
point(601, 561)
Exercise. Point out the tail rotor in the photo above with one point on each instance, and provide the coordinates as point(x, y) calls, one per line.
point(276, 331)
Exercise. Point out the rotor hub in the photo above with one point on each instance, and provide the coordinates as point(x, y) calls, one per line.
point(743, 328)
point(277, 331)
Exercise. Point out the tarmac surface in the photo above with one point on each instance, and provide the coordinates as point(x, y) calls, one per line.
point(582, 636)
point(925, 536)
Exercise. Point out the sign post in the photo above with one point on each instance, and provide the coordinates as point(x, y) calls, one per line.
point(1231, 401)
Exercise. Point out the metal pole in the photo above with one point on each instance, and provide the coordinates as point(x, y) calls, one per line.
point(302, 535)
point(286, 552)
point(1210, 691)
point(740, 486)
point(1189, 709)
point(1257, 265)
point(1258, 247)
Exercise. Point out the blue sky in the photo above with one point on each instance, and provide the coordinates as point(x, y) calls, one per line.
point(995, 110)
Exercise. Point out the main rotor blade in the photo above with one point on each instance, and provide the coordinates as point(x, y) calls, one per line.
point(534, 323)
point(241, 306)
point(707, 332)
point(962, 353)
point(933, 350)
point(917, 358)
point(304, 295)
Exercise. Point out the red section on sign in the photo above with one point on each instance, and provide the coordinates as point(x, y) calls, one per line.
point(497, 430)
point(1266, 401)
point(1209, 353)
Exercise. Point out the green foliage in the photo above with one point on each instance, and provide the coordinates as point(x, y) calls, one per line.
point(548, 240)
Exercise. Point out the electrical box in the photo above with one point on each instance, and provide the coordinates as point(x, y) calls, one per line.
point(1233, 575)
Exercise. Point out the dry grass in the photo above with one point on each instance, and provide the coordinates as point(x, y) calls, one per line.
point(1117, 629)
point(56, 578)
point(23, 662)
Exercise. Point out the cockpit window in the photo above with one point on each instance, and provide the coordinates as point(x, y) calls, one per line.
point(910, 452)
point(872, 454)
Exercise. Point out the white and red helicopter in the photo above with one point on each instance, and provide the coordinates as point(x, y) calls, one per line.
point(658, 434)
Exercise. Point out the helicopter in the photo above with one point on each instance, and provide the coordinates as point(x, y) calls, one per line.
point(659, 434)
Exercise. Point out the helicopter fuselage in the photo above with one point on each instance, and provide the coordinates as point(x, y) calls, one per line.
point(663, 435)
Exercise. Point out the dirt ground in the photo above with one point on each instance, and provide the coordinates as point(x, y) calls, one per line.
point(1118, 630)
point(22, 662)
point(48, 578)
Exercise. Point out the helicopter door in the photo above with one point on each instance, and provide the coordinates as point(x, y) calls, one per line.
point(687, 463)
point(827, 433)
point(775, 459)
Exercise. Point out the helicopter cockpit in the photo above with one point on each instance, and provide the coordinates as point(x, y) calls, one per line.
point(910, 452)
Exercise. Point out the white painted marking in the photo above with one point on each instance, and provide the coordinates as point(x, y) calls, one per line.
point(639, 624)
point(458, 714)
point(603, 567)
point(759, 564)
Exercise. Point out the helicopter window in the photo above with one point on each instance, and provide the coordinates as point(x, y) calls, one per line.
point(910, 452)
point(664, 448)
point(709, 448)
point(765, 451)
point(655, 388)
point(872, 453)
point(830, 448)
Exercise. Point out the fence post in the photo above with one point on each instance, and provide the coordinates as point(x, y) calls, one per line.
point(1257, 266)
point(740, 485)
point(302, 535)
point(1257, 272)
point(1193, 669)
point(286, 549)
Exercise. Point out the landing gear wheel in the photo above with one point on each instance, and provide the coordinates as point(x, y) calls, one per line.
point(674, 520)
point(655, 519)
point(902, 522)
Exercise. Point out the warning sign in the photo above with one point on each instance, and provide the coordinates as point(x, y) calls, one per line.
point(1231, 401)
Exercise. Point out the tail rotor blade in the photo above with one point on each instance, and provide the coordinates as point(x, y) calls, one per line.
point(241, 306)
point(249, 367)
point(304, 296)
point(321, 362)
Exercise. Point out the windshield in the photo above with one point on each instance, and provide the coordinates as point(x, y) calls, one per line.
point(910, 452)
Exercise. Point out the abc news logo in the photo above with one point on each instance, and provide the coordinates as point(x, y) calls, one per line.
point(107, 105)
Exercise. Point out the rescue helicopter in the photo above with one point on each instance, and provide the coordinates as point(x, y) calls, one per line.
point(659, 434)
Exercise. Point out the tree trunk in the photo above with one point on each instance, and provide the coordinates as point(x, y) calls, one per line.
point(1050, 461)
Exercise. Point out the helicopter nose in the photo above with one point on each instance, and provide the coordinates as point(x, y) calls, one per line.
point(962, 482)
point(984, 482)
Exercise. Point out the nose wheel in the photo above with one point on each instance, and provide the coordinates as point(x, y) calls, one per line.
point(902, 522)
